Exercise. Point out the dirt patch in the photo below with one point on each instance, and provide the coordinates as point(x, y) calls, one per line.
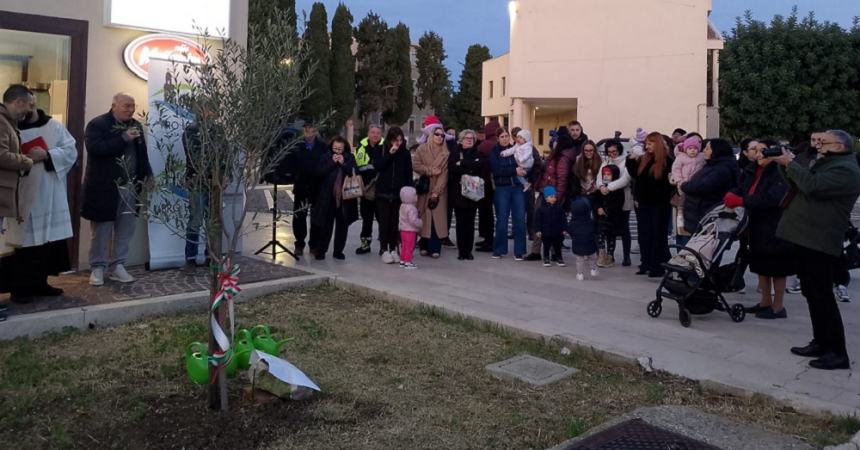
point(391, 377)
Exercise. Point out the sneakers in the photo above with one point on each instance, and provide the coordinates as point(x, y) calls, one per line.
point(408, 266)
point(842, 294)
point(560, 262)
point(387, 258)
point(395, 256)
point(497, 256)
point(594, 272)
point(580, 277)
point(364, 248)
point(518, 258)
point(794, 288)
point(97, 276)
point(546, 263)
point(120, 274)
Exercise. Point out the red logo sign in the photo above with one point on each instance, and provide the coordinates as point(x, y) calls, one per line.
point(164, 46)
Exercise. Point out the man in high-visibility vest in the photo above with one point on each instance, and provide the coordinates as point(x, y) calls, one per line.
point(369, 145)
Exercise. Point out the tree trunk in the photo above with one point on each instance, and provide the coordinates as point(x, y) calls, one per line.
point(217, 375)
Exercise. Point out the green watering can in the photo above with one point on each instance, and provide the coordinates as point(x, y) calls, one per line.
point(197, 362)
point(244, 346)
point(263, 341)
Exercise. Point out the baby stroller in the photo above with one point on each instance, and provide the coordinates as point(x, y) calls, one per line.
point(696, 277)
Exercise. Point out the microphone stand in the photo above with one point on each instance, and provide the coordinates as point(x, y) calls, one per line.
point(274, 242)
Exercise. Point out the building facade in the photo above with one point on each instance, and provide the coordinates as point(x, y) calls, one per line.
point(614, 65)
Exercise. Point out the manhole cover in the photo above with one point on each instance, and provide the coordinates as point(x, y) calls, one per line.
point(637, 434)
point(530, 369)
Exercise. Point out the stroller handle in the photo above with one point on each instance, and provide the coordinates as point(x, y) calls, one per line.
point(693, 252)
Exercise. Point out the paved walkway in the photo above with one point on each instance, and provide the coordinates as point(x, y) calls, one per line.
point(609, 314)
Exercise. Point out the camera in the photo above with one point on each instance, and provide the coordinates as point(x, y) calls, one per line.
point(774, 150)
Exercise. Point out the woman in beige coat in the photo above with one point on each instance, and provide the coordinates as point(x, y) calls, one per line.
point(431, 160)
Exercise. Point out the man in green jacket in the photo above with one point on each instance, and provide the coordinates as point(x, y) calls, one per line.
point(368, 146)
point(816, 219)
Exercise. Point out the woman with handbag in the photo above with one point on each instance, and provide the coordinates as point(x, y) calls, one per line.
point(394, 165)
point(464, 165)
point(430, 162)
point(335, 208)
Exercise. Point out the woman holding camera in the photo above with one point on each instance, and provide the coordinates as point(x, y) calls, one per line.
point(761, 190)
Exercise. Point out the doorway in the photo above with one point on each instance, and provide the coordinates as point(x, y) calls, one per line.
point(49, 55)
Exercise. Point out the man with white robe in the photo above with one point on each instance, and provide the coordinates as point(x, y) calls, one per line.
point(37, 243)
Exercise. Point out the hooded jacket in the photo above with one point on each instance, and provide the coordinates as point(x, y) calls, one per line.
point(12, 162)
point(549, 220)
point(409, 219)
point(708, 186)
point(582, 227)
point(685, 167)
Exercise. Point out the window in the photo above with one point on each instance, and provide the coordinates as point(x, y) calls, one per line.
point(491, 88)
point(540, 136)
point(411, 126)
point(710, 79)
point(504, 86)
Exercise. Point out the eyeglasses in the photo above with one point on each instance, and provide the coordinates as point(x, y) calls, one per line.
point(438, 134)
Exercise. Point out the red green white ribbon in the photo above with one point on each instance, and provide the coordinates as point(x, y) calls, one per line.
point(228, 282)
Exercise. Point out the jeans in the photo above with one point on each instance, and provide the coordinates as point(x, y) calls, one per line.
point(816, 271)
point(653, 240)
point(122, 230)
point(388, 216)
point(198, 208)
point(486, 220)
point(465, 231)
point(509, 201)
point(434, 244)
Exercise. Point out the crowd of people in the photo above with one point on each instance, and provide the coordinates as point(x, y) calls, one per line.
point(587, 191)
point(798, 202)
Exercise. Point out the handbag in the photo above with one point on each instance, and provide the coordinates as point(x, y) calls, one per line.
point(422, 186)
point(370, 189)
point(353, 186)
point(471, 186)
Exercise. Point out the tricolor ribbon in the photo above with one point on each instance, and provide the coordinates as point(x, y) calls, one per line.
point(228, 282)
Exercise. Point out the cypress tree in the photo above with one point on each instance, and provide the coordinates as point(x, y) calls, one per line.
point(375, 83)
point(318, 69)
point(466, 104)
point(399, 48)
point(434, 80)
point(342, 67)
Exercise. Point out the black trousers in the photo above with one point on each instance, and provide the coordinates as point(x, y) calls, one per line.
point(301, 213)
point(486, 217)
point(842, 276)
point(27, 269)
point(465, 230)
point(367, 209)
point(552, 247)
point(625, 233)
point(532, 204)
point(653, 238)
point(388, 217)
point(338, 227)
point(816, 272)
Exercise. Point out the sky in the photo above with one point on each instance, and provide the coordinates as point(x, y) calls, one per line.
point(462, 23)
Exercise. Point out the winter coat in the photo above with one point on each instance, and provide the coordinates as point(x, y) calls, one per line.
point(105, 145)
point(685, 167)
point(324, 206)
point(307, 158)
point(582, 227)
point(613, 207)
point(556, 172)
point(463, 162)
point(821, 199)
point(394, 171)
point(577, 145)
point(647, 189)
point(432, 161)
point(504, 168)
point(550, 220)
point(763, 208)
point(12, 163)
point(623, 183)
point(409, 218)
point(364, 158)
point(707, 188)
point(486, 148)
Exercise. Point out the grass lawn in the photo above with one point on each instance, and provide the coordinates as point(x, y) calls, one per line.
point(392, 377)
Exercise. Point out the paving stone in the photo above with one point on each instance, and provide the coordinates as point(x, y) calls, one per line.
point(532, 370)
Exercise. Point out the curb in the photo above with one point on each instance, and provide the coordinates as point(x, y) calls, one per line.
point(95, 316)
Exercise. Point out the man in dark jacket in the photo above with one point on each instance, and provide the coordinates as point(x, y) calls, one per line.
point(486, 219)
point(368, 146)
point(307, 156)
point(815, 219)
point(117, 170)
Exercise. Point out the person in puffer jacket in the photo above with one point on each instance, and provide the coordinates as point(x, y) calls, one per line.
point(709, 185)
point(410, 225)
point(689, 159)
point(583, 240)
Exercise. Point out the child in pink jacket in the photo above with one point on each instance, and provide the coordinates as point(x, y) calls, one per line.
point(410, 225)
point(688, 160)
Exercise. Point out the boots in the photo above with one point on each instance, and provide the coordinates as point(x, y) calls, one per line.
point(626, 262)
point(365, 247)
point(602, 258)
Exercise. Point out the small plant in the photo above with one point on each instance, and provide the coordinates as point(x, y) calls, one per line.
point(847, 424)
point(655, 392)
point(576, 428)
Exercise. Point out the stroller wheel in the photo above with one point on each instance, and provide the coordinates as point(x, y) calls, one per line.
point(685, 317)
point(655, 307)
point(738, 313)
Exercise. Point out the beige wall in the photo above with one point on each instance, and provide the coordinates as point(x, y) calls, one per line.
point(627, 64)
point(494, 70)
point(107, 74)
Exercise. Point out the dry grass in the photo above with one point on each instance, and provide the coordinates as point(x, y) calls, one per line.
point(392, 378)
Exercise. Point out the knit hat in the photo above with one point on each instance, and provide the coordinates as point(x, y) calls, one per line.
point(694, 142)
point(641, 134)
point(548, 191)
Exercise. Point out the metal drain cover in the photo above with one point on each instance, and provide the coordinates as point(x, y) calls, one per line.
point(636, 434)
